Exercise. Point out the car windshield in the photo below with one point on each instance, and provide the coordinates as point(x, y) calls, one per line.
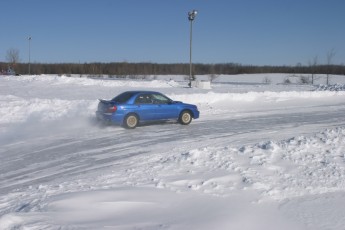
point(123, 97)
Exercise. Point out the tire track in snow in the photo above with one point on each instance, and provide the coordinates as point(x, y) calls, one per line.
point(80, 151)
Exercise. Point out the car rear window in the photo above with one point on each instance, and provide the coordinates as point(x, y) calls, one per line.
point(123, 97)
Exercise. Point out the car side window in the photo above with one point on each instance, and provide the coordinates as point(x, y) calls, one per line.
point(143, 99)
point(160, 99)
point(123, 98)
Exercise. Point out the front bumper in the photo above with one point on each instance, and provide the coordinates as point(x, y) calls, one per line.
point(196, 114)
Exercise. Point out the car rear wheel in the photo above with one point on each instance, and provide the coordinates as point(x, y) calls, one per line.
point(185, 118)
point(131, 121)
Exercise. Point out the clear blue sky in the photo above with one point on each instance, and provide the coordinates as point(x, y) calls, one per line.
point(256, 32)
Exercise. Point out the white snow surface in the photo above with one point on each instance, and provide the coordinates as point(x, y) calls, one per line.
point(261, 156)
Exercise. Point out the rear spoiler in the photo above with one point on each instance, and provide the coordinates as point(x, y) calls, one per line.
point(104, 101)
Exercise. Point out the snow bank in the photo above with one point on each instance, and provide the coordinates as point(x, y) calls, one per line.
point(212, 97)
point(15, 109)
point(58, 80)
point(156, 187)
point(295, 167)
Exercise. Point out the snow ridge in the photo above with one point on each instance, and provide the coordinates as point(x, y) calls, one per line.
point(295, 167)
point(18, 109)
point(15, 109)
point(83, 81)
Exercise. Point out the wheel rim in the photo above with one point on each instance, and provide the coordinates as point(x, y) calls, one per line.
point(186, 117)
point(132, 121)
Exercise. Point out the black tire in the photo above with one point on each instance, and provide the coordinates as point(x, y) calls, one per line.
point(131, 121)
point(185, 118)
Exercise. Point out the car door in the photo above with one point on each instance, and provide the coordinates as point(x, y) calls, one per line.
point(145, 107)
point(165, 108)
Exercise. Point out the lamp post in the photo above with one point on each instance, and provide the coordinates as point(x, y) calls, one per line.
point(29, 38)
point(191, 17)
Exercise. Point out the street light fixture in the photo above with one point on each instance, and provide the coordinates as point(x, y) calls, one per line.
point(191, 17)
point(29, 38)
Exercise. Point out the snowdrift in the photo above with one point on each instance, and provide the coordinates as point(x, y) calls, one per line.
point(18, 109)
point(83, 81)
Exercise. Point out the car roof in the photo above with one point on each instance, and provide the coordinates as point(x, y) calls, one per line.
point(141, 91)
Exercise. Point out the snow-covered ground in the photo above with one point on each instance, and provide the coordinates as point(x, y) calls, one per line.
point(261, 156)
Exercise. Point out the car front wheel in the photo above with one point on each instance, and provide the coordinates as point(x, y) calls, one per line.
point(131, 121)
point(185, 118)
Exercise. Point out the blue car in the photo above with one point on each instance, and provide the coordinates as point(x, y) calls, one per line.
point(135, 107)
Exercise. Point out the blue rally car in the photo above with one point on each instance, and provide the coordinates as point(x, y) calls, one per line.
point(133, 107)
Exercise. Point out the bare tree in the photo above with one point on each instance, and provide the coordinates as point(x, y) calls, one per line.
point(212, 77)
point(304, 80)
point(312, 65)
point(12, 56)
point(267, 80)
point(330, 56)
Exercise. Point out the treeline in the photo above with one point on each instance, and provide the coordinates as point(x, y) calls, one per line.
point(124, 68)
